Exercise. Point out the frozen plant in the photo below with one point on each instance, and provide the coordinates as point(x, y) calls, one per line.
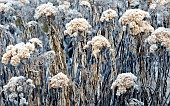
point(124, 81)
point(108, 15)
point(134, 18)
point(77, 24)
point(45, 10)
point(85, 4)
point(160, 35)
point(17, 87)
point(98, 42)
point(19, 51)
point(59, 81)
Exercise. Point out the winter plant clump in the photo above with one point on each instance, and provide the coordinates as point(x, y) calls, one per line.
point(59, 81)
point(160, 35)
point(84, 52)
point(18, 87)
point(134, 18)
point(21, 50)
point(124, 81)
point(77, 24)
point(108, 15)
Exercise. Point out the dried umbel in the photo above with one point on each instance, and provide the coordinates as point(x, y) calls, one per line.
point(124, 81)
point(85, 4)
point(21, 50)
point(77, 24)
point(134, 18)
point(162, 2)
point(17, 87)
point(45, 10)
point(160, 35)
point(108, 15)
point(59, 81)
point(98, 42)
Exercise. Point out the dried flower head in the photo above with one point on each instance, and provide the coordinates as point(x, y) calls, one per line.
point(17, 85)
point(77, 24)
point(108, 15)
point(45, 10)
point(19, 51)
point(124, 81)
point(160, 35)
point(59, 81)
point(97, 42)
point(36, 41)
point(85, 4)
point(134, 18)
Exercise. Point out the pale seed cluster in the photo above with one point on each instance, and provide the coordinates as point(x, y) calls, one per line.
point(45, 10)
point(160, 35)
point(97, 42)
point(134, 18)
point(31, 23)
point(108, 15)
point(17, 87)
point(124, 81)
point(59, 81)
point(21, 50)
point(77, 24)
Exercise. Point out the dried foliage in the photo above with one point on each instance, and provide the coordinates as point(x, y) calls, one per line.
point(84, 53)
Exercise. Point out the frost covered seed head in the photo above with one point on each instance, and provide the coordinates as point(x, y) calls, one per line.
point(134, 18)
point(59, 81)
point(124, 81)
point(45, 10)
point(77, 24)
point(97, 43)
point(160, 35)
point(108, 15)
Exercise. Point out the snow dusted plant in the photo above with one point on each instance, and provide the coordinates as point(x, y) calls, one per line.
point(21, 50)
point(18, 87)
point(160, 35)
point(124, 81)
point(98, 42)
point(108, 15)
point(77, 24)
point(45, 10)
point(59, 81)
point(134, 18)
